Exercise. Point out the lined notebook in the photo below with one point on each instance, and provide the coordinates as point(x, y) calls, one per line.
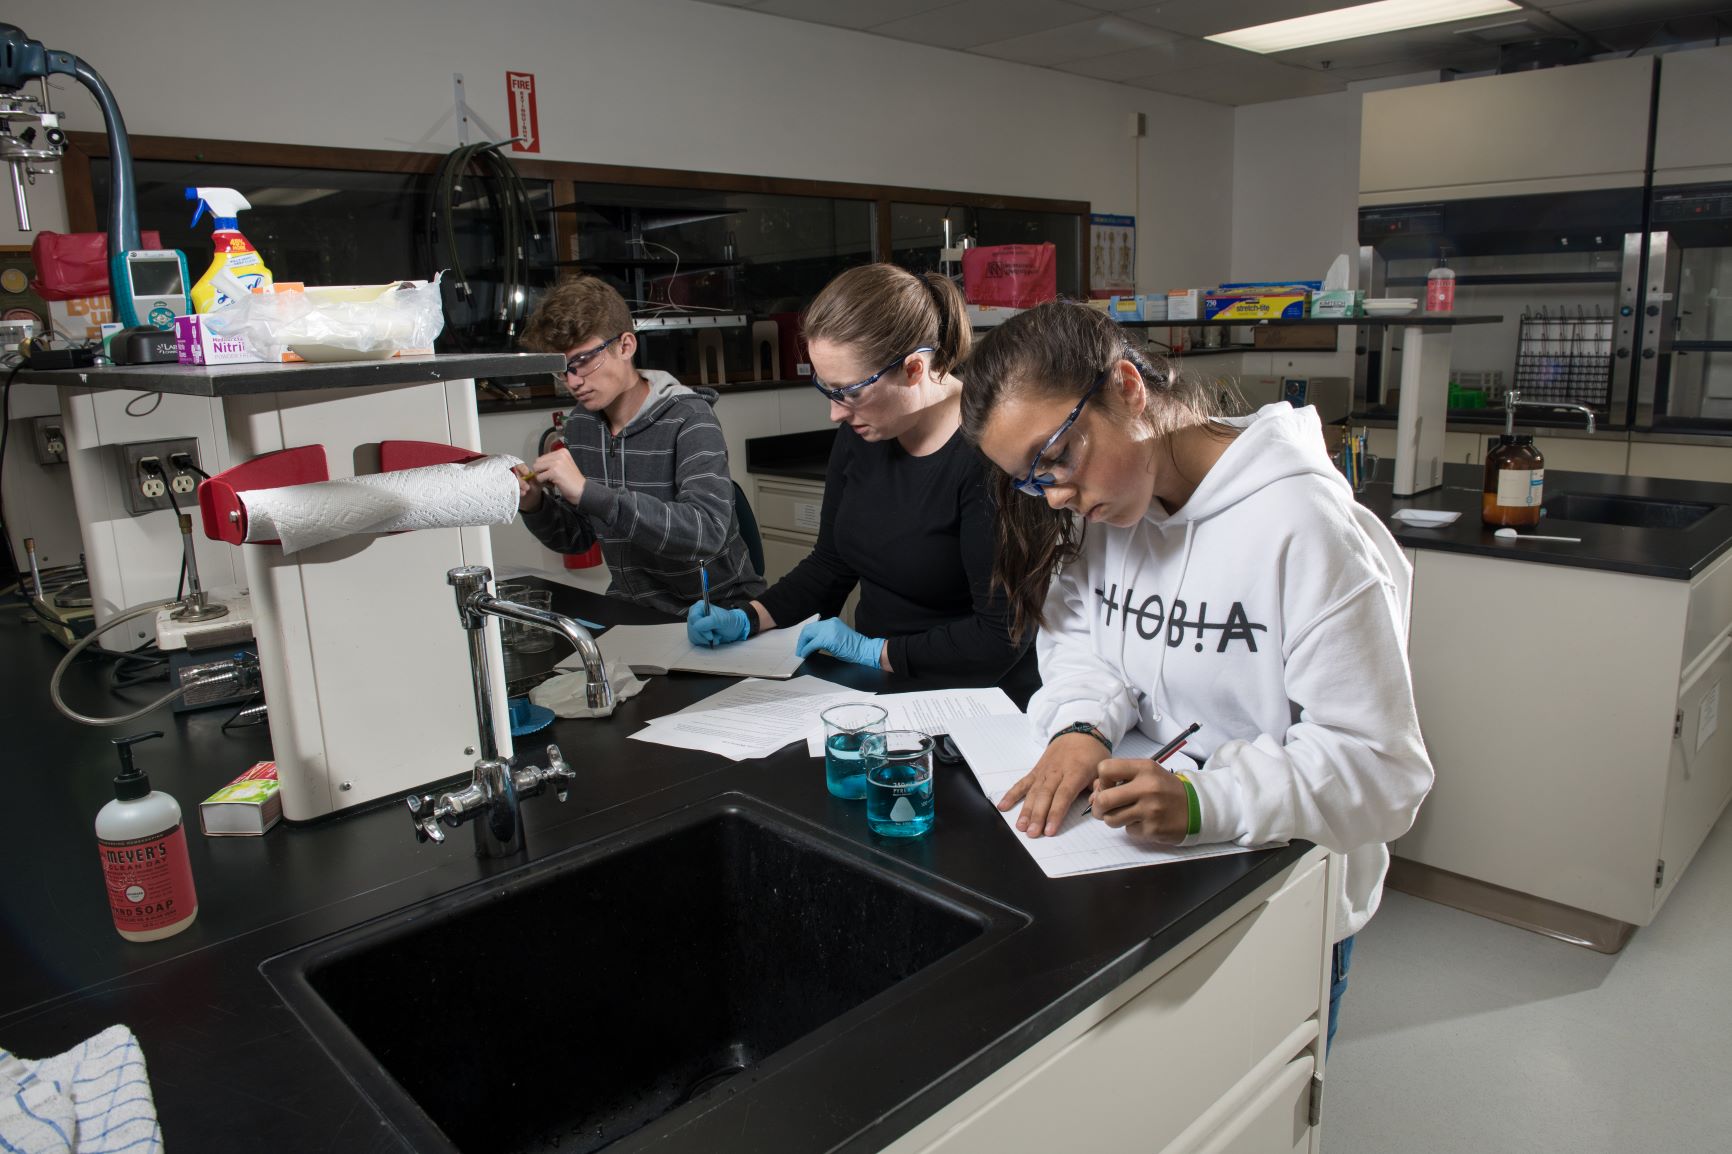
point(1000, 750)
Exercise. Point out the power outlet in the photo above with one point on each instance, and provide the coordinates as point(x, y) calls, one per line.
point(146, 491)
point(50, 440)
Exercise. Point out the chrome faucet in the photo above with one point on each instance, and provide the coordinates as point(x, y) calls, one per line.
point(1512, 399)
point(494, 794)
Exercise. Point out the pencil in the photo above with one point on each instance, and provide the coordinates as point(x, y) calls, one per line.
point(1161, 754)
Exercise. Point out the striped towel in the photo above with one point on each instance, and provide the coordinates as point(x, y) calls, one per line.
point(93, 1099)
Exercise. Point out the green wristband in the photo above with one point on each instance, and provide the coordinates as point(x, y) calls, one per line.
point(1194, 808)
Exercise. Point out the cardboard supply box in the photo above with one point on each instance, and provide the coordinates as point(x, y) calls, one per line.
point(198, 345)
point(1184, 304)
point(1260, 301)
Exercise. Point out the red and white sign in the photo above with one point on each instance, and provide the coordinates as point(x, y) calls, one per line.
point(520, 87)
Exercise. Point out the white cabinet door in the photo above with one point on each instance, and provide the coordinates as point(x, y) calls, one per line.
point(1557, 130)
point(1684, 462)
point(1692, 134)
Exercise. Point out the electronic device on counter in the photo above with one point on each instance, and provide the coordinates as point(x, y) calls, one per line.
point(154, 289)
point(144, 346)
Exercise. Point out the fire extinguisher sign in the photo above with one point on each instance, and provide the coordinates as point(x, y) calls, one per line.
point(525, 124)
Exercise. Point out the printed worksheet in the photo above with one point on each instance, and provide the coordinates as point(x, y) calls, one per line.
point(1000, 750)
point(931, 711)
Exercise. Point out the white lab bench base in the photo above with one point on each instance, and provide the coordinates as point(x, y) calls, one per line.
point(364, 661)
point(1212, 1049)
point(1423, 409)
point(1576, 731)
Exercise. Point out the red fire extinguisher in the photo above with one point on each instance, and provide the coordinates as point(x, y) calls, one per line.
point(551, 439)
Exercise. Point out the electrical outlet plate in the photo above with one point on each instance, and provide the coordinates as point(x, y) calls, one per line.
point(50, 433)
point(145, 493)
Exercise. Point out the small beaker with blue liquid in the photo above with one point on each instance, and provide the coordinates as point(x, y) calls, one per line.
point(899, 793)
point(846, 728)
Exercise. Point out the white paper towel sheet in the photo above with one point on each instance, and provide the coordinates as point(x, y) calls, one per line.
point(479, 492)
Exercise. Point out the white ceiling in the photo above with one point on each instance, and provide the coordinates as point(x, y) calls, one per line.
point(1160, 47)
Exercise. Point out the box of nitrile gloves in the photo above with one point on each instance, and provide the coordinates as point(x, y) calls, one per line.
point(245, 807)
point(198, 345)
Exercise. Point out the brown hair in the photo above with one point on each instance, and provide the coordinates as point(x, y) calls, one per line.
point(887, 312)
point(574, 311)
point(1057, 349)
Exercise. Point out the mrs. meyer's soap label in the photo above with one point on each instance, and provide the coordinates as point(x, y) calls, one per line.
point(149, 881)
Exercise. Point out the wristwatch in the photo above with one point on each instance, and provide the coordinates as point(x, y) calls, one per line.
point(1083, 727)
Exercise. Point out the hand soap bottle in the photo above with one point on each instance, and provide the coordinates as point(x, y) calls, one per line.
point(1515, 475)
point(143, 845)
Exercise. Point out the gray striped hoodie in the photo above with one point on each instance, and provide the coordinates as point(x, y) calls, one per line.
point(659, 499)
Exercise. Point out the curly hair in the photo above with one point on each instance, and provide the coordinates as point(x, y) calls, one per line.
point(575, 311)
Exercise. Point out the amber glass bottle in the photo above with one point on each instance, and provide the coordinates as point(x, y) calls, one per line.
point(1515, 473)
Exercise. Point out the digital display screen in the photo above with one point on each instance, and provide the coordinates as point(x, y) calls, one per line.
point(156, 277)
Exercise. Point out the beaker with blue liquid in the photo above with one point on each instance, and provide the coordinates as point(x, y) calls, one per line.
point(846, 728)
point(899, 787)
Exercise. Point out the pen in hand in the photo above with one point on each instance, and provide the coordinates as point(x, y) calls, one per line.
point(1161, 755)
point(704, 579)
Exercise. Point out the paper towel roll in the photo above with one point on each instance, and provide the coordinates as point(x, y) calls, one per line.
point(479, 492)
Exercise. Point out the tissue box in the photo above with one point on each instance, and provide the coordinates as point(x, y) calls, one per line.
point(245, 807)
point(1183, 304)
point(199, 346)
point(1336, 303)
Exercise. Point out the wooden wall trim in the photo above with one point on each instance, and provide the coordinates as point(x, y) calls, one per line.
point(95, 144)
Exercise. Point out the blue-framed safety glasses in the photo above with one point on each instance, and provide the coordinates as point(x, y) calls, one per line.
point(1036, 486)
point(845, 394)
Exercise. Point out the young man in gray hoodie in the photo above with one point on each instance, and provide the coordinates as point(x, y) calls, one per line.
point(644, 469)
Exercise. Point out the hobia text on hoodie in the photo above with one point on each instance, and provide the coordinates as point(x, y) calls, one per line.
point(1152, 615)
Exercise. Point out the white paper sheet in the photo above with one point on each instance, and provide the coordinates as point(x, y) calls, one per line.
point(664, 648)
point(752, 719)
point(1000, 750)
point(931, 711)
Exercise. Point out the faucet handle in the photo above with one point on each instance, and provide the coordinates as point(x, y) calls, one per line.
point(557, 771)
point(424, 812)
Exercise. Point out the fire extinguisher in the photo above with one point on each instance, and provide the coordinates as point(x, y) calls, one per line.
point(553, 438)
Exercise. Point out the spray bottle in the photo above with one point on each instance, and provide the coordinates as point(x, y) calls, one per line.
point(144, 860)
point(233, 251)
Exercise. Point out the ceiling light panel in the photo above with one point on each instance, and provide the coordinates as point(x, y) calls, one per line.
point(1359, 20)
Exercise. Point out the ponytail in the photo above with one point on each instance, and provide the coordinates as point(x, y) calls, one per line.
point(886, 312)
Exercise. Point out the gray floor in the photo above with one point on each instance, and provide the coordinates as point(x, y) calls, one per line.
point(1461, 1034)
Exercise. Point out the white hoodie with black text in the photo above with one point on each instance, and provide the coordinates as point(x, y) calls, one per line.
point(1271, 608)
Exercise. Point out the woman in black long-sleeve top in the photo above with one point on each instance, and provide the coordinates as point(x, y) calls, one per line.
point(907, 514)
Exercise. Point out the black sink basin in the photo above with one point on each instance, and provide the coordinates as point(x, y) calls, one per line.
point(565, 1005)
point(1637, 512)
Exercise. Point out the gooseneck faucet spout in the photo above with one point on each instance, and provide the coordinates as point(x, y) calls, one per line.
point(492, 799)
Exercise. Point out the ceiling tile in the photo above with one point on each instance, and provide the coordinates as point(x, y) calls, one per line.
point(972, 22)
point(1097, 37)
point(1412, 43)
point(1593, 15)
point(1175, 55)
point(1113, 5)
point(1246, 86)
point(1207, 17)
point(848, 13)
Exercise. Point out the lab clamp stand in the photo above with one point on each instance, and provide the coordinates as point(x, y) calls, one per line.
point(492, 799)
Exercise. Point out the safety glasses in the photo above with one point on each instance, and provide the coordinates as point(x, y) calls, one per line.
point(845, 394)
point(1037, 485)
point(582, 360)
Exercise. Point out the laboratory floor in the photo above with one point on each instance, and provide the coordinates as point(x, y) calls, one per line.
point(1463, 1034)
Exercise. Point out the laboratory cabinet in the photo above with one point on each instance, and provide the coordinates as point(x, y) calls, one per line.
point(1239, 1011)
point(1555, 130)
point(1573, 719)
point(789, 510)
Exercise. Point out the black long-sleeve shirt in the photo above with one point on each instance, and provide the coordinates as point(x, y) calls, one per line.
point(916, 534)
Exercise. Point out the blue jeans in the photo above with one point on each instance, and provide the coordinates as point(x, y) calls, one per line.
point(1341, 957)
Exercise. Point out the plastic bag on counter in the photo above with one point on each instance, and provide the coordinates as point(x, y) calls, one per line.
point(333, 323)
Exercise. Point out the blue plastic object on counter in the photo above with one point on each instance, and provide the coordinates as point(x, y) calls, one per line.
point(527, 717)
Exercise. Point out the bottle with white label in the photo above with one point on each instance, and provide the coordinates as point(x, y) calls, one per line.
point(143, 847)
point(1515, 476)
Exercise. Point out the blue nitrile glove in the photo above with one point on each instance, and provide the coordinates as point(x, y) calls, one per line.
point(838, 640)
point(717, 627)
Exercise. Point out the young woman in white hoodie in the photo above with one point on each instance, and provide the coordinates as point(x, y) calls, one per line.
point(1185, 568)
